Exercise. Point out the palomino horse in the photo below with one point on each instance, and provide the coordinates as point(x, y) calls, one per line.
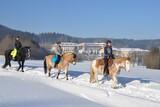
point(97, 67)
point(63, 65)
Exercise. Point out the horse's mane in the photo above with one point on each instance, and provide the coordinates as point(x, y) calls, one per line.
point(68, 53)
point(26, 47)
point(121, 59)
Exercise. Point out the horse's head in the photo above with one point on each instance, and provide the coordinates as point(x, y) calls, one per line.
point(124, 63)
point(127, 63)
point(70, 57)
point(27, 50)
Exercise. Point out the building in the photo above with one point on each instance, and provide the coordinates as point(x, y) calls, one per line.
point(67, 47)
point(97, 49)
point(87, 48)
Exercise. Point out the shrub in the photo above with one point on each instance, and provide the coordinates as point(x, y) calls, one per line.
point(152, 59)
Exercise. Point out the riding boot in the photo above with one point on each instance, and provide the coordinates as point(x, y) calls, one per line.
point(105, 70)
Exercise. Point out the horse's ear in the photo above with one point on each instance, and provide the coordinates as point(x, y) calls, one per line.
point(128, 58)
point(29, 47)
point(74, 55)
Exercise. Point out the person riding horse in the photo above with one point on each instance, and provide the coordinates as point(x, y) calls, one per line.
point(58, 52)
point(18, 46)
point(108, 54)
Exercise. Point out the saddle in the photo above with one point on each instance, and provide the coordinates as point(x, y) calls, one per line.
point(55, 59)
point(14, 53)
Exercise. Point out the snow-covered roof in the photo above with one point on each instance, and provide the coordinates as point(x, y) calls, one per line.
point(131, 49)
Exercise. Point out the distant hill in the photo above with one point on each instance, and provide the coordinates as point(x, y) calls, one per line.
point(49, 38)
point(118, 43)
point(5, 31)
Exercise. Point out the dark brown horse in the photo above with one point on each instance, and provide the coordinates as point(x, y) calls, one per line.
point(22, 55)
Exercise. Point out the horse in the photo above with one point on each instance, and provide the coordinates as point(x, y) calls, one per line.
point(97, 67)
point(22, 54)
point(63, 65)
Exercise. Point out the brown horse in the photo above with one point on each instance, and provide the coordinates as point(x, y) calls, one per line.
point(63, 65)
point(97, 67)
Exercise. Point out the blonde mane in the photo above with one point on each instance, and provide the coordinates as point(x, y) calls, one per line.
point(67, 53)
point(121, 59)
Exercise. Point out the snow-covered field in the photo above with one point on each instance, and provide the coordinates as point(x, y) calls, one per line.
point(138, 88)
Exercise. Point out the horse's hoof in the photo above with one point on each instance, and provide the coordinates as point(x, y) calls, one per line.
point(22, 71)
point(115, 87)
point(49, 75)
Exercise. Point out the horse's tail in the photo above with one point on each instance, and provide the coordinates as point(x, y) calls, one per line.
point(91, 73)
point(45, 66)
point(6, 55)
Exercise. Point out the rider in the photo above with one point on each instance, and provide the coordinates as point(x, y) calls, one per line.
point(107, 54)
point(58, 52)
point(18, 45)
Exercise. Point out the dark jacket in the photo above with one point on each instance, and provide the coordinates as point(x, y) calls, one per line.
point(18, 44)
point(108, 52)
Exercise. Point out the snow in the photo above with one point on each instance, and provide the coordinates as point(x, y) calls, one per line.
point(28, 93)
point(138, 88)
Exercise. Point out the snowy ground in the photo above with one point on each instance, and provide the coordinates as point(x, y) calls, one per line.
point(139, 88)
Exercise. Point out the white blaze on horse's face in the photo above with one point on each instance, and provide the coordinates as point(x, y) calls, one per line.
point(127, 65)
point(74, 63)
point(29, 53)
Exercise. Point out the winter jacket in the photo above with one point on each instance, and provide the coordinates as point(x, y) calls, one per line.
point(18, 44)
point(58, 50)
point(108, 52)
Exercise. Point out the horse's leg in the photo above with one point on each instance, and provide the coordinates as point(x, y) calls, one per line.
point(19, 62)
point(23, 65)
point(7, 61)
point(96, 77)
point(5, 64)
point(58, 73)
point(66, 72)
point(92, 75)
point(49, 71)
point(114, 81)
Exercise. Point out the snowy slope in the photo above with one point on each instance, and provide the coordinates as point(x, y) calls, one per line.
point(139, 88)
point(19, 91)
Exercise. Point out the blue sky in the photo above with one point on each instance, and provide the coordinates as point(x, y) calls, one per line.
point(135, 19)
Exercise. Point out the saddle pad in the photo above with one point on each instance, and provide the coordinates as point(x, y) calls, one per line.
point(54, 58)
